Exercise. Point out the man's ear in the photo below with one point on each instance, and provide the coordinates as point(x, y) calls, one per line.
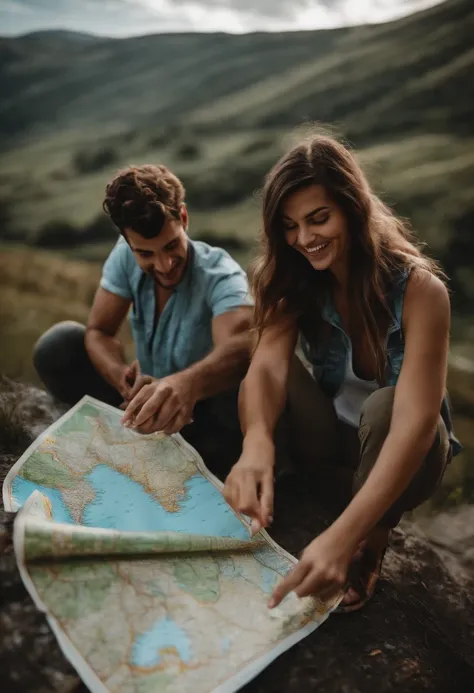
point(184, 217)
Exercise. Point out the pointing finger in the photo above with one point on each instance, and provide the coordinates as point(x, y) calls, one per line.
point(290, 583)
point(255, 527)
point(266, 500)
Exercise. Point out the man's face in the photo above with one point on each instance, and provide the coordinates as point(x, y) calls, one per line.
point(163, 257)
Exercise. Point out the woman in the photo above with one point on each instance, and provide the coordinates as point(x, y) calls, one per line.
point(338, 268)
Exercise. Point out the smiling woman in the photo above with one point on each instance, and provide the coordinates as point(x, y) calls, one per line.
point(338, 268)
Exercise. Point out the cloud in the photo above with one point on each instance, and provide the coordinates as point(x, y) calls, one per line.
point(129, 17)
point(108, 17)
point(262, 8)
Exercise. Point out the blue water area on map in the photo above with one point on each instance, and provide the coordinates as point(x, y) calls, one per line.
point(22, 490)
point(122, 503)
point(163, 634)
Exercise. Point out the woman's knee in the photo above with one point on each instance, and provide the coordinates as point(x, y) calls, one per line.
point(374, 426)
point(376, 414)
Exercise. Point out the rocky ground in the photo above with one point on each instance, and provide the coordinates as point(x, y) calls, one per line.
point(416, 635)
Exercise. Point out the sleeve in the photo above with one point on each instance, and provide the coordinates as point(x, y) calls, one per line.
point(116, 273)
point(228, 287)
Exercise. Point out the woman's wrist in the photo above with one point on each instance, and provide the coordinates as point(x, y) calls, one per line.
point(258, 436)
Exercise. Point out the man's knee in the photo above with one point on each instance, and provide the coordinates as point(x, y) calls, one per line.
point(376, 412)
point(53, 350)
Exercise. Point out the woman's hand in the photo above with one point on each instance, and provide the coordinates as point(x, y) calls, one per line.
point(322, 570)
point(249, 487)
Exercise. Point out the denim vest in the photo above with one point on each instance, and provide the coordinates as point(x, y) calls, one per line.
point(329, 360)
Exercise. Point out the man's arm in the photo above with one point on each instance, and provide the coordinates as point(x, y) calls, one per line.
point(105, 350)
point(167, 404)
point(225, 366)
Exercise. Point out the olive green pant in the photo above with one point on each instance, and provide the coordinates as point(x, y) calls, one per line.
point(310, 437)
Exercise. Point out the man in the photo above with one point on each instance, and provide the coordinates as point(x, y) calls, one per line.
point(190, 318)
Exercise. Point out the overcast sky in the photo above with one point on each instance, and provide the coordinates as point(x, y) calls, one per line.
point(128, 17)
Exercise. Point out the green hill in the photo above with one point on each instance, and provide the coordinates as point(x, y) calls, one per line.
point(219, 108)
point(375, 80)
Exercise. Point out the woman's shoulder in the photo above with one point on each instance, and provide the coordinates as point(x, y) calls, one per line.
point(425, 291)
point(423, 283)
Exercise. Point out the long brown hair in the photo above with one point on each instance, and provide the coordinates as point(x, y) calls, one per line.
point(381, 245)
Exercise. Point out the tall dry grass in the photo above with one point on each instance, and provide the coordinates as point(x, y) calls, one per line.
point(37, 290)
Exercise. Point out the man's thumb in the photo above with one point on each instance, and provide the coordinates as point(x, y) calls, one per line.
point(132, 371)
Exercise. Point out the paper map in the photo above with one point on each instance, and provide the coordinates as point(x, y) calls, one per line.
point(149, 580)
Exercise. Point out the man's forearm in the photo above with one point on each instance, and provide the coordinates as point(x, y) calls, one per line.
point(106, 354)
point(222, 369)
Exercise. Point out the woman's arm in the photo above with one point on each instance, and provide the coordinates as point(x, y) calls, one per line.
point(249, 486)
point(415, 416)
point(263, 391)
point(418, 395)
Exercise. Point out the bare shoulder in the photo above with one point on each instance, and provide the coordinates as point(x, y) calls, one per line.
point(426, 298)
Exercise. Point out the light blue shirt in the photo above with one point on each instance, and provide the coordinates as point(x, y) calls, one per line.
point(213, 284)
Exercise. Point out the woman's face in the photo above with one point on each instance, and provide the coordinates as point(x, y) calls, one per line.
point(316, 227)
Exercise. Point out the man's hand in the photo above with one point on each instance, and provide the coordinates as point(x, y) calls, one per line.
point(249, 487)
point(322, 570)
point(162, 405)
point(131, 382)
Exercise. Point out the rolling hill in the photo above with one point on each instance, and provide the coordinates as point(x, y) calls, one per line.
point(409, 75)
point(219, 109)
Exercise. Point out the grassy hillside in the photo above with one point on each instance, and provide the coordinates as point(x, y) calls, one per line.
point(37, 290)
point(219, 110)
point(374, 79)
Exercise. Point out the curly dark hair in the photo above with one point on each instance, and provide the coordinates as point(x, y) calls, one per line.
point(143, 198)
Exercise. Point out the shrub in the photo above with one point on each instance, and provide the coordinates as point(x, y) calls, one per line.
point(101, 228)
point(223, 186)
point(188, 151)
point(165, 135)
point(91, 161)
point(55, 234)
point(159, 140)
point(5, 219)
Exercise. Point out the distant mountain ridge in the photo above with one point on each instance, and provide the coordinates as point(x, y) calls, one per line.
point(65, 34)
point(411, 75)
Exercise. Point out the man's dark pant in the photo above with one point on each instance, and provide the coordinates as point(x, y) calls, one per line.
point(62, 363)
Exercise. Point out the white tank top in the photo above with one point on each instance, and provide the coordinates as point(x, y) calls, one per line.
point(350, 399)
